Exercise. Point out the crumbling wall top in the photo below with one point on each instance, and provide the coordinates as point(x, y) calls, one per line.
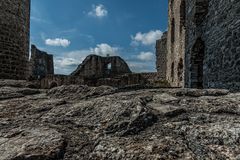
point(95, 66)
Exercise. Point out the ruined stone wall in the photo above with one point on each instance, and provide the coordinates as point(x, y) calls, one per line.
point(51, 81)
point(41, 63)
point(150, 75)
point(213, 44)
point(101, 67)
point(14, 38)
point(176, 42)
point(161, 56)
point(94, 71)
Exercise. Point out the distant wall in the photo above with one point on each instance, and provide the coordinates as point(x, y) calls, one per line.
point(14, 38)
point(161, 56)
point(96, 71)
point(101, 67)
point(41, 63)
point(51, 81)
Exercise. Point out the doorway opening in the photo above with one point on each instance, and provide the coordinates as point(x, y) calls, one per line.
point(196, 64)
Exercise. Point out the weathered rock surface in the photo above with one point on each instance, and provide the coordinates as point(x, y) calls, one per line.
point(32, 143)
point(18, 83)
point(11, 92)
point(80, 122)
point(80, 91)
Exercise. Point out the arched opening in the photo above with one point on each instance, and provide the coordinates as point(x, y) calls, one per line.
point(180, 70)
point(172, 71)
point(196, 64)
point(109, 66)
point(182, 14)
point(53, 84)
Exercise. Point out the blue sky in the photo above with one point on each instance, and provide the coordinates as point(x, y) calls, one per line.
point(73, 29)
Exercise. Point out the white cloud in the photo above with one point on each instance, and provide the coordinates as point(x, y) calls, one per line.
point(69, 61)
point(98, 11)
point(138, 67)
point(145, 56)
point(65, 62)
point(146, 38)
point(58, 42)
point(104, 50)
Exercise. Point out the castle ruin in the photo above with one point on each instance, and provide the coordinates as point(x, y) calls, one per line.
point(14, 38)
point(41, 63)
point(95, 66)
point(96, 71)
point(176, 42)
point(161, 55)
point(203, 44)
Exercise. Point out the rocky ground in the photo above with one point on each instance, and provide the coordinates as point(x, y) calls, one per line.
point(80, 122)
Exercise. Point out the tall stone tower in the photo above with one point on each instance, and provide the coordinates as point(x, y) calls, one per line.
point(161, 56)
point(176, 42)
point(14, 38)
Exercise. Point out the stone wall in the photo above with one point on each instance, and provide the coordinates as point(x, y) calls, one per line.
point(94, 72)
point(213, 44)
point(101, 67)
point(161, 56)
point(51, 81)
point(176, 42)
point(14, 38)
point(41, 63)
